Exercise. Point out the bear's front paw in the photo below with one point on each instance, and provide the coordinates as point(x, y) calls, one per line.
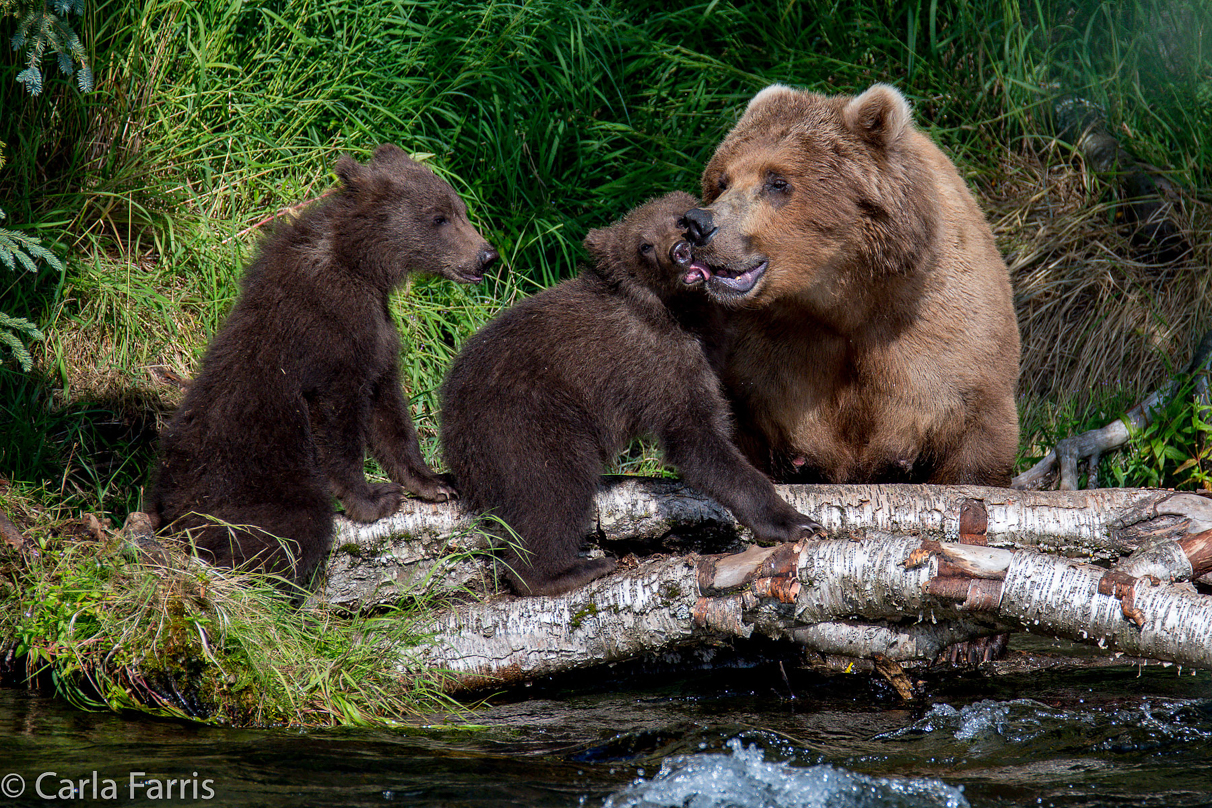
point(434, 491)
point(788, 527)
point(809, 528)
point(381, 500)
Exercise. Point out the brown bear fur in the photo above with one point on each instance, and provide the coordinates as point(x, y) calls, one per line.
point(303, 375)
point(871, 334)
point(558, 385)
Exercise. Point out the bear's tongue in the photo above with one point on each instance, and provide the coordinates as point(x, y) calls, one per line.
point(696, 273)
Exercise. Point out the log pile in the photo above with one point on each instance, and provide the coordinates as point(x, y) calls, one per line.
point(904, 573)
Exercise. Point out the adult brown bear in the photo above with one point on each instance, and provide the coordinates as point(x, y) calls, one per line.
point(871, 335)
point(303, 375)
point(555, 387)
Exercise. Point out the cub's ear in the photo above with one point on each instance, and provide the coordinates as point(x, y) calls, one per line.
point(349, 170)
point(769, 94)
point(390, 152)
point(880, 115)
point(598, 244)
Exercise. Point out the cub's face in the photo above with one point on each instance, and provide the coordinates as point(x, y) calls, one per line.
point(649, 246)
point(796, 191)
point(411, 220)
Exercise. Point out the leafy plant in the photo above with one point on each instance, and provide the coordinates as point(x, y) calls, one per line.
point(1174, 449)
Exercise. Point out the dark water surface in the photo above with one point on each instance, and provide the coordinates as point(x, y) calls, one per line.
point(749, 737)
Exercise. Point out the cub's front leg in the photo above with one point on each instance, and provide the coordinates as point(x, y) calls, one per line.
point(339, 421)
point(393, 441)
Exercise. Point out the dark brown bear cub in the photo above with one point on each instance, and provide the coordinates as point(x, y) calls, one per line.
point(303, 376)
point(559, 384)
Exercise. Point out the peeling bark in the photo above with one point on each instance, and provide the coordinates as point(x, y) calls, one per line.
point(823, 595)
point(901, 576)
point(377, 563)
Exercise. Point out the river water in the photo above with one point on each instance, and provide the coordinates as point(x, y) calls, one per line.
point(764, 735)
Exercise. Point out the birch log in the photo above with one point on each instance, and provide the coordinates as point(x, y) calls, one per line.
point(375, 564)
point(805, 592)
point(905, 572)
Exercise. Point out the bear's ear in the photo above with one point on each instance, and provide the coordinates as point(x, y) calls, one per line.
point(598, 244)
point(768, 94)
point(880, 115)
point(389, 152)
point(349, 170)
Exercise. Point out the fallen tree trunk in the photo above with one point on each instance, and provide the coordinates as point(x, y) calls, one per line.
point(892, 582)
point(811, 592)
point(1151, 201)
point(376, 564)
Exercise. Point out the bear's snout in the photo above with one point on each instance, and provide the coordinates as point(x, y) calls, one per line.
point(699, 226)
point(487, 257)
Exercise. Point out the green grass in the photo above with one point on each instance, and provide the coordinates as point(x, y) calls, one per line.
point(549, 117)
point(107, 628)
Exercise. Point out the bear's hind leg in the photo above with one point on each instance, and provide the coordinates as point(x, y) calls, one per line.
point(548, 511)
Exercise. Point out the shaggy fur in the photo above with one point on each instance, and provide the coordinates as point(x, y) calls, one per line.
point(871, 334)
point(558, 385)
point(303, 375)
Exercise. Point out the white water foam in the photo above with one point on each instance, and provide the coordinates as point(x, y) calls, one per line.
point(743, 779)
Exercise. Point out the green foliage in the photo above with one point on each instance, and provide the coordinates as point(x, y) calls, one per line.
point(41, 30)
point(550, 117)
point(11, 330)
point(109, 629)
point(1174, 449)
point(18, 248)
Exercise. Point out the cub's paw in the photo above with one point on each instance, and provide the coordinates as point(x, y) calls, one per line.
point(433, 490)
point(381, 500)
point(788, 527)
point(809, 528)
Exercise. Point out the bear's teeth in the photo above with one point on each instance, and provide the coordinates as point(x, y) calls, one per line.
point(698, 273)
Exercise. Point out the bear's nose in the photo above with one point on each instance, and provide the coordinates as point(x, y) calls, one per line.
point(487, 256)
point(699, 226)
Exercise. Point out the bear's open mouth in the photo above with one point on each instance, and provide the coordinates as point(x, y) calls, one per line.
point(737, 281)
point(694, 272)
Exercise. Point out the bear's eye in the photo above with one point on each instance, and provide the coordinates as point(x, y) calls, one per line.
point(722, 183)
point(776, 184)
point(439, 220)
point(645, 248)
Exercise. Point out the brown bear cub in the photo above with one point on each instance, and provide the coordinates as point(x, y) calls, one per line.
point(870, 333)
point(303, 375)
point(558, 385)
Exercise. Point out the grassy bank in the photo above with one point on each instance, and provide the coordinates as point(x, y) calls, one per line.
point(552, 117)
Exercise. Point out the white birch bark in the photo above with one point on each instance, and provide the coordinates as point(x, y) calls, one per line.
point(823, 594)
point(377, 563)
point(889, 583)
